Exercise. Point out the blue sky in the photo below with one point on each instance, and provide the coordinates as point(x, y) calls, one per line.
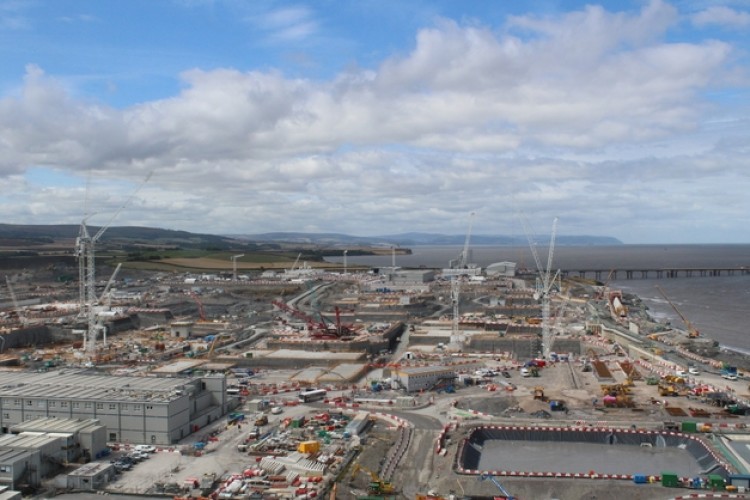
point(624, 119)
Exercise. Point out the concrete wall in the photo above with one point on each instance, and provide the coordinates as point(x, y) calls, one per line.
point(522, 347)
point(565, 346)
point(26, 337)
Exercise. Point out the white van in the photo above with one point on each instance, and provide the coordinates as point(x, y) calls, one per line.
point(525, 372)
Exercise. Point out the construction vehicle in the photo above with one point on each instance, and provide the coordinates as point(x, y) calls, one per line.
point(729, 372)
point(377, 485)
point(539, 393)
point(319, 329)
point(615, 389)
point(214, 342)
point(691, 330)
point(667, 389)
point(201, 309)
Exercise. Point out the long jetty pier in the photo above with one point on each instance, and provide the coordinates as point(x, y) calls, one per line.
point(671, 272)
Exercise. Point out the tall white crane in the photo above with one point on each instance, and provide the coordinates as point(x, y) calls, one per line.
point(463, 258)
point(234, 265)
point(106, 294)
point(461, 263)
point(544, 283)
point(456, 338)
point(85, 252)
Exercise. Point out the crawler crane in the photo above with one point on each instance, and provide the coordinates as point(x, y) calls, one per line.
point(691, 330)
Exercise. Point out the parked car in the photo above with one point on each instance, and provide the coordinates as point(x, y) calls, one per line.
point(506, 374)
point(147, 448)
point(122, 466)
point(694, 371)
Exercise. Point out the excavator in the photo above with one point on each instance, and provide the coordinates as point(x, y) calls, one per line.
point(691, 330)
point(377, 485)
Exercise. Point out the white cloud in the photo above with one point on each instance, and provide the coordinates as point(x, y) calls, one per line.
point(287, 24)
point(722, 16)
point(556, 116)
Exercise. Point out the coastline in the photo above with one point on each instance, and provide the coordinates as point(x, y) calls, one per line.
point(730, 355)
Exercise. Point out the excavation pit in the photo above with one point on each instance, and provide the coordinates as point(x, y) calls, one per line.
point(586, 452)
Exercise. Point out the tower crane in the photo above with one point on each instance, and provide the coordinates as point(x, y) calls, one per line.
point(234, 265)
point(462, 263)
point(85, 252)
point(544, 283)
point(692, 331)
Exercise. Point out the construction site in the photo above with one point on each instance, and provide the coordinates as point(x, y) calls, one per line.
point(406, 383)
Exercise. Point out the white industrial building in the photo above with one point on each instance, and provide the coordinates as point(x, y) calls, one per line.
point(501, 269)
point(84, 439)
point(134, 409)
point(91, 477)
point(423, 378)
point(449, 272)
point(397, 279)
point(39, 449)
point(182, 329)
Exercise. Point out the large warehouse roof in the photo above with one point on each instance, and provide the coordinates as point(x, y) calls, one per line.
point(79, 384)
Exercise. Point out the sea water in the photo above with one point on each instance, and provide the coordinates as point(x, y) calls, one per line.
point(717, 306)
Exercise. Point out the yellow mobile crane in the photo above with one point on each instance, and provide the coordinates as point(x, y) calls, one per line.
point(692, 331)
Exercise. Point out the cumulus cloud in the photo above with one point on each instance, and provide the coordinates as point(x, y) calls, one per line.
point(722, 16)
point(472, 116)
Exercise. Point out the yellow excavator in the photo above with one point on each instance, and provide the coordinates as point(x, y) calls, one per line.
point(377, 485)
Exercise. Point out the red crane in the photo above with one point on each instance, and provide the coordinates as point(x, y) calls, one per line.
point(320, 330)
point(201, 310)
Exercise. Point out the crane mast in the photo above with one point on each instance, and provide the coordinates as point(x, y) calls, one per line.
point(234, 265)
point(464, 261)
point(85, 252)
point(544, 283)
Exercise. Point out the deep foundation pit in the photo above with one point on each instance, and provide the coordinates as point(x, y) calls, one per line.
point(586, 452)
